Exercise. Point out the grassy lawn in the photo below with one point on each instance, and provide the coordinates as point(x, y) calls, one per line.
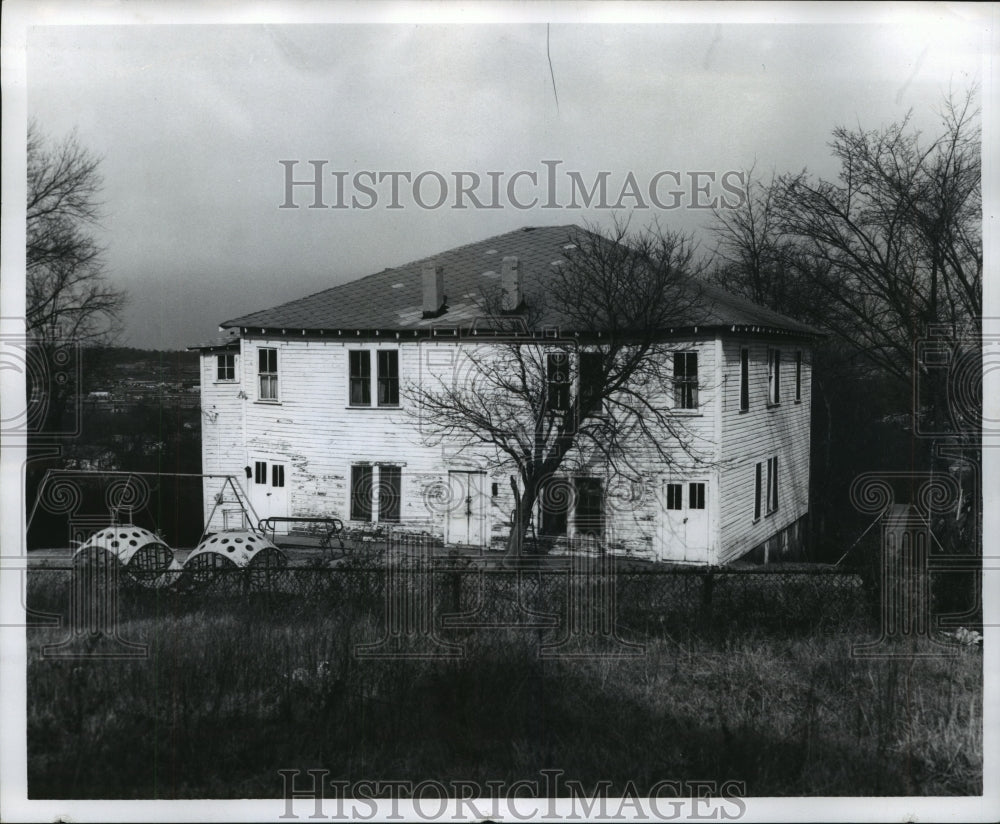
point(233, 690)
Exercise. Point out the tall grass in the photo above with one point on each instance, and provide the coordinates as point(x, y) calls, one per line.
point(233, 690)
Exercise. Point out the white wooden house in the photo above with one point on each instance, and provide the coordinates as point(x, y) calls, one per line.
point(302, 403)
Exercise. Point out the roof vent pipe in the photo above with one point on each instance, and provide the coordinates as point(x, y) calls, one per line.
point(432, 278)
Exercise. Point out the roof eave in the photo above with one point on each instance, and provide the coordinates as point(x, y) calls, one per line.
point(468, 330)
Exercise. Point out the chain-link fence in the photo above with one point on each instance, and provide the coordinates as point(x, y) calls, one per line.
point(457, 595)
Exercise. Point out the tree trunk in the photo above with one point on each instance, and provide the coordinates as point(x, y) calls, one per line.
point(525, 503)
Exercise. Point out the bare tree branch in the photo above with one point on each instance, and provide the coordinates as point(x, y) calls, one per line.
point(622, 293)
point(68, 296)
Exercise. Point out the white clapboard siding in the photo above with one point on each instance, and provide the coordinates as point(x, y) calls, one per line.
point(314, 431)
point(762, 432)
point(222, 428)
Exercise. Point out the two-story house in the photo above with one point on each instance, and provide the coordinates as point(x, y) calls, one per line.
point(305, 404)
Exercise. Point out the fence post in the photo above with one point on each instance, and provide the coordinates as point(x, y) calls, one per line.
point(707, 586)
point(456, 590)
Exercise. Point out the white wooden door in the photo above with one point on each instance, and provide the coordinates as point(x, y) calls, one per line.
point(269, 490)
point(466, 522)
point(684, 535)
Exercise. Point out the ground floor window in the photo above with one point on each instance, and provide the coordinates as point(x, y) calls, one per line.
point(554, 504)
point(757, 490)
point(588, 517)
point(361, 493)
point(772, 484)
point(581, 498)
point(696, 496)
point(390, 490)
point(387, 481)
point(675, 494)
point(695, 491)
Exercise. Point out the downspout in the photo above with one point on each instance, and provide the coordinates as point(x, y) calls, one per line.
point(244, 397)
point(716, 521)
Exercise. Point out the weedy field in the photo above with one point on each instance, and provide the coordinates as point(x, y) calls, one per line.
point(235, 688)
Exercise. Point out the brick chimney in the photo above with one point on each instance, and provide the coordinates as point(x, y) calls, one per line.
point(510, 284)
point(432, 277)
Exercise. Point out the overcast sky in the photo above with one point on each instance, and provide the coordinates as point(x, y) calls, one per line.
point(192, 122)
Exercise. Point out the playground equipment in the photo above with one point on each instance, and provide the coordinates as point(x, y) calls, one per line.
point(141, 554)
point(235, 549)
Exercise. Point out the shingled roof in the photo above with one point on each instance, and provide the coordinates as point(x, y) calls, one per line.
point(392, 299)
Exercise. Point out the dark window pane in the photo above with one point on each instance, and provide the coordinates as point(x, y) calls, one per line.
point(388, 378)
point(361, 493)
point(589, 515)
point(774, 375)
point(686, 380)
point(390, 490)
point(591, 378)
point(696, 496)
point(277, 475)
point(554, 502)
point(757, 491)
point(226, 368)
point(744, 379)
point(674, 496)
point(772, 484)
point(558, 381)
point(267, 361)
point(361, 388)
point(260, 472)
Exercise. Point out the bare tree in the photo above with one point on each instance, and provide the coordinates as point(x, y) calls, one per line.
point(595, 397)
point(886, 253)
point(894, 246)
point(752, 258)
point(69, 301)
point(68, 296)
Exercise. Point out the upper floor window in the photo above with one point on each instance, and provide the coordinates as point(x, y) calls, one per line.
point(686, 380)
point(557, 377)
point(774, 376)
point(591, 378)
point(744, 380)
point(387, 383)
point(798, 376)
point(361, 378)
point(388, 377)
point(267, 373)
point(225, 367)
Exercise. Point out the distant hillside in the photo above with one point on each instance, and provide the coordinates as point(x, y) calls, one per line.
point(103, 367)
